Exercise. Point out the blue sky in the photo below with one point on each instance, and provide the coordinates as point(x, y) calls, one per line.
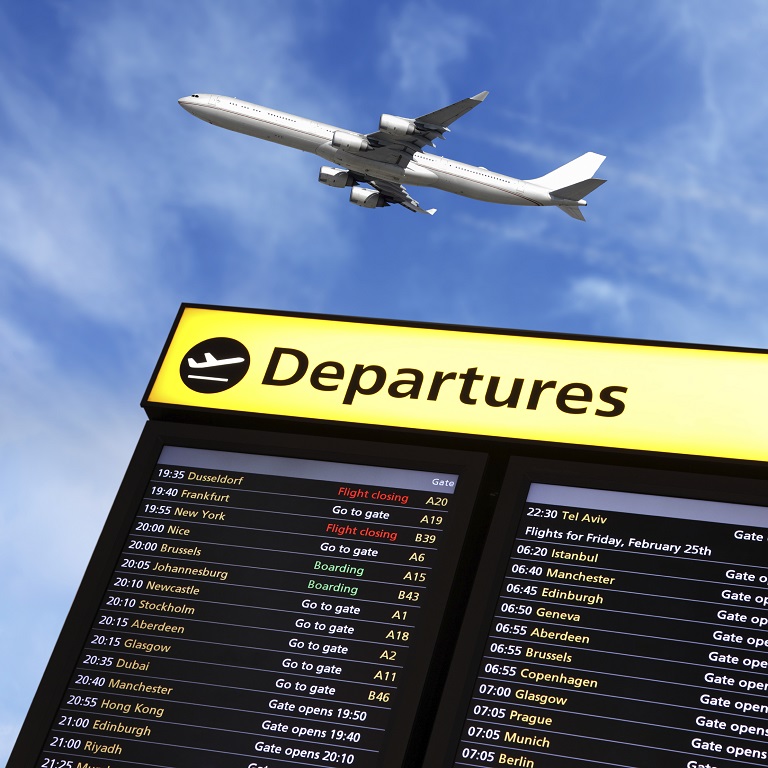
point(116, 206)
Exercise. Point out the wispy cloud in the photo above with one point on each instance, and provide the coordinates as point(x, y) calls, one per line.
point(90, 165)
point(419, 57)
point(678, 231)
point(597, 294)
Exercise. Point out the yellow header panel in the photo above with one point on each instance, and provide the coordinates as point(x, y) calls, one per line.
point(695, 401)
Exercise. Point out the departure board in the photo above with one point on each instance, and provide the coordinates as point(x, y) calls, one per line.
point(264, 611)
point(629, 630)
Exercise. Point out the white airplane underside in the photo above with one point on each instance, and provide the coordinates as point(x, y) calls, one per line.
point(392, 157)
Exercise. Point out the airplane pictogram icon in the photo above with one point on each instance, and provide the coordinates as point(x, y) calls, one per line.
point(211, 362)
point(214, 365)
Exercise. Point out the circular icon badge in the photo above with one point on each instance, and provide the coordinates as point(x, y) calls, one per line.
point(214, 365)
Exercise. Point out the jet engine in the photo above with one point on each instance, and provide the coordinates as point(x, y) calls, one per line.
point(366, 198)
point(335, 177)
point(396, 126)
point(353, 142)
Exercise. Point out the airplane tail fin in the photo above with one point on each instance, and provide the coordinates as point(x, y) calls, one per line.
point(577, 170)
point(571, 182)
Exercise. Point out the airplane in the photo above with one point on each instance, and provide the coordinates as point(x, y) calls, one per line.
point(391, 157)
point(211, 361)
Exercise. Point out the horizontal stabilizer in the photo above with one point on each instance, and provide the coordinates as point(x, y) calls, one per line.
point(578, 190)
point(573, 211)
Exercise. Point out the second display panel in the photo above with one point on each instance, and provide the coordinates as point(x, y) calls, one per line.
point(627, 629)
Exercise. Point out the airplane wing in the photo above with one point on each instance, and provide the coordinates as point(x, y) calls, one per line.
point(397, 141)
point(397, 194)
point(412, 134)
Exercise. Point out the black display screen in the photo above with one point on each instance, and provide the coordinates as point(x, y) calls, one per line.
point(265, 611)
point(627, 630)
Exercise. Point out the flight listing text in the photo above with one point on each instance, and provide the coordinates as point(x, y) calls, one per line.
point(625, 639)
point(253, 621)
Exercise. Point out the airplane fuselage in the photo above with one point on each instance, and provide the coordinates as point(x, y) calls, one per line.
point(423, 169)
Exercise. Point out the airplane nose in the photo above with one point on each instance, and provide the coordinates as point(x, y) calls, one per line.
point(192, 103)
